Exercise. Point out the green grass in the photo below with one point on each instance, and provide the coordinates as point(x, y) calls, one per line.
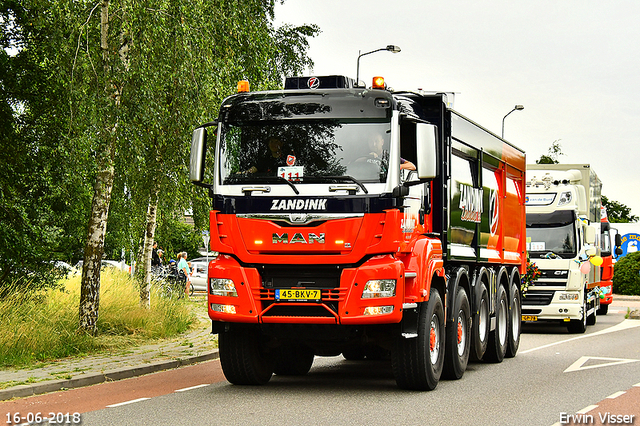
point(43, 326)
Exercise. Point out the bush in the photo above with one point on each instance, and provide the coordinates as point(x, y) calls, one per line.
point(626, 277)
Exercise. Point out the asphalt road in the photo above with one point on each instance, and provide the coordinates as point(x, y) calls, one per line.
point(554, 375)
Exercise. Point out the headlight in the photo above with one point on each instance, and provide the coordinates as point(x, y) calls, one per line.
point(225, 309)
point(565, 198)
point(606, 290)
point(222, 287)
point(569, 296)
point(378, 310)
point(379, 288)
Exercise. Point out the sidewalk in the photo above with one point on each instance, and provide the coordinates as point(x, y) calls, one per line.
point(195, 346)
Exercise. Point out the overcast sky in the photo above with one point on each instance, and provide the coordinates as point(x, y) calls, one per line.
point(573, 64)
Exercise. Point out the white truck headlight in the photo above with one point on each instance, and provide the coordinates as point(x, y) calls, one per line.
point(565, 198)
point(379, 288)
point(222, 287)
point(569, 296)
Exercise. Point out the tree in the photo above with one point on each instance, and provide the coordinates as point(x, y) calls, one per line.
point(42, 173)
point(553, 153)
point(618, 212)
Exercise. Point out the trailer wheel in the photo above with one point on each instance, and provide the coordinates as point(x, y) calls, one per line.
point(458, 338)
point(603, 310)
point(591, 319)
point(480, 325)
point(243, 359)
point(498, 342)
point(417, 362)
point(579, 326)
point(515, 321)
point(293, 360)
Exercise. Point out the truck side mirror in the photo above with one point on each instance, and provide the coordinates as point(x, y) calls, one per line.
point(618, 251)
point(618, 241)
point(590, 235)
point(426, 144)
point(198, 150)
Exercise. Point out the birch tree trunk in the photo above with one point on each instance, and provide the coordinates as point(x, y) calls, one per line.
point(152, 212)
point(97, 227)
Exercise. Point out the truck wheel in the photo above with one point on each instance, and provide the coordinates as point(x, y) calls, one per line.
point(458, 338)
point(515, 321)
point(354, 354)
point(243, 359)
point(579, 326)
point(293, 360)
point(603, 310)
point(591, 319)
point(417, 362)
point(498, 342)
point(480, 326)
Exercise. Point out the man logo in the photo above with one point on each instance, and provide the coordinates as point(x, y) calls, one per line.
point(313, 82)
point(298, 217)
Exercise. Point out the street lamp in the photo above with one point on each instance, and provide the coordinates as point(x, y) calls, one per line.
point(391, 48)
point(516, 108)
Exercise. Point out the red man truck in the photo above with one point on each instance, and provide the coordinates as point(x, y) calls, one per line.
point(329, 243)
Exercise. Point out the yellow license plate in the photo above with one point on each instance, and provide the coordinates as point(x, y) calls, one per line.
point(297, 295)
point(529, 318)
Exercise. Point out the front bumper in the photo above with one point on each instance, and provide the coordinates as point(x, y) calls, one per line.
point(256, 303)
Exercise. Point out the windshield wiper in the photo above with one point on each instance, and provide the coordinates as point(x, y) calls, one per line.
point(550, 255)
point(335, 178)
point(242, 178)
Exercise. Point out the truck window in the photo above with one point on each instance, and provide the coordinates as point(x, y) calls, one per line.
point(551, 232)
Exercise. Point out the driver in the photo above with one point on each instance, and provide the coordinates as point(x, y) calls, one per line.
point(274, 158)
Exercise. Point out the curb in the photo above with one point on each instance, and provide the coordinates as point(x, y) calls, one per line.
point(22, 391)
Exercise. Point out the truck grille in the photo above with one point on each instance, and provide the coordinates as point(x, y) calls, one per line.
point(288, 276)
point(552, 278)
point(538, 297)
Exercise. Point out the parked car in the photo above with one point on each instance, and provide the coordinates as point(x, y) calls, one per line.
point(199, 276)
point(107, 264)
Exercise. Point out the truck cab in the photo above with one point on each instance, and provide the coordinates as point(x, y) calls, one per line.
point(562, 236)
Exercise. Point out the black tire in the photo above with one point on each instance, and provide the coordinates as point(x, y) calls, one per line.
point(591, 319)
point(354, 353)
point(192, 289)
point(498, 341)
point(603, 310)
point(458, 338)
point(417, 362)
point(579, 326)
point(515, 320)
point(480, 325)
point(243, 359)
point(293, 360)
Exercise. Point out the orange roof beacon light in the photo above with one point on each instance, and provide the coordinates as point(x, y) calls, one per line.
point(243, 86)
point(378, 83)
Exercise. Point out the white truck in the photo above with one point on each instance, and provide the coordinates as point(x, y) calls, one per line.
point(563, 228)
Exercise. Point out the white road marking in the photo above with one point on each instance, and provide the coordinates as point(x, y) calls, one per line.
point(585, 410)
point(192, 387)
point(624, 325)
point(127, 402)
point(615, 395)
point(578, 365)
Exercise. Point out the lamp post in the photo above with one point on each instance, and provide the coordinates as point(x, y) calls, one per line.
point(516, 108)
point(391, 48)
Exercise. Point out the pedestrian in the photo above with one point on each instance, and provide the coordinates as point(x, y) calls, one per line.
point(184, 271)
point(155, 259)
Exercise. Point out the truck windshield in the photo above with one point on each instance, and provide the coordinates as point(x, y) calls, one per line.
point(551, 232)
point(304, 151)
